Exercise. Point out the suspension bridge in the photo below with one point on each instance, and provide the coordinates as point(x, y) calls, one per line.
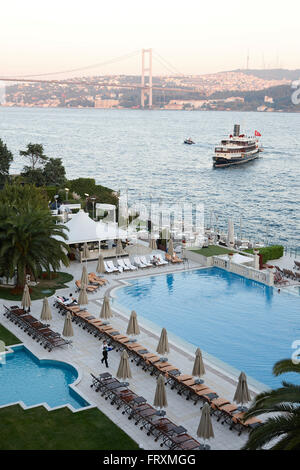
point(145, 86)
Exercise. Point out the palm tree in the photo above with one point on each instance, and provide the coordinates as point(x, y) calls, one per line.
point(283, 426)
point(30, 242)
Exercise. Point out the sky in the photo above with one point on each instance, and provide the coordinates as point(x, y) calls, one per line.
point(195, 37)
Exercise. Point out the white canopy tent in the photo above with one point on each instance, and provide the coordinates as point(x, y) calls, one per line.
point(110, 208)
point(238, 259)
point(83, 229)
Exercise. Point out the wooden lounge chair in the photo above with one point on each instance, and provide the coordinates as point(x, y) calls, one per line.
point(89, 288)
point(238, 423)
point(97, 278)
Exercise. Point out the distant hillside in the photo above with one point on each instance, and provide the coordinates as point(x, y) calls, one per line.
point(281, 96)
point(272, 74)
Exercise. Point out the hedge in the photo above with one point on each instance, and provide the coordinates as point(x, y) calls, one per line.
point(89, 186)
point(270, 252)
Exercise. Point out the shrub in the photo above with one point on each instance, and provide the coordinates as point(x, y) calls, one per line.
point(269, 252)
point(89, 186)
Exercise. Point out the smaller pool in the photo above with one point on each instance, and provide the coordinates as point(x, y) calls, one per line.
point(23, 377)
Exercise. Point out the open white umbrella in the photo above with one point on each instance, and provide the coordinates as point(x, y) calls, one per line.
point(26, 300)
point(106, 312)
point(68, 328)
point(205, 429)
point(124, 371)
point(160, 398)
point(46, 312)
point(133, 327)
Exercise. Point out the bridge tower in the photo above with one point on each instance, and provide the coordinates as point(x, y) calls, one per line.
point(146, 87)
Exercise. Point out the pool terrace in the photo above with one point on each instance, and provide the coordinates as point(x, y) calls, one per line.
point(85, 355)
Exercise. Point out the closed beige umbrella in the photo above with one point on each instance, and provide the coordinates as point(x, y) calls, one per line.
point(133, 326)
point(205, 429)
point(160, 398)
point(124, 371)
point(46, 312)
point(171, 247)
point(163, 345)
point(68, 328)
point(26, 300)
point(230, 235)
point(198, 368)
point(106, 312)
point(84, 276)
point(242, 394)
point(86, 251)
point(100, 265)
point(152, 244)
point(83, 298)
point(119, 248)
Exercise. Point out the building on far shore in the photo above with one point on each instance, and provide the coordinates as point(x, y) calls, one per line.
point(106, 103)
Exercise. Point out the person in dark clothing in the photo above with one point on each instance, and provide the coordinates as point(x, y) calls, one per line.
point(105, 349)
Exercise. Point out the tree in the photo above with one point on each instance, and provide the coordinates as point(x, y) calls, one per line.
point(29, 243)
point(35, 154)
point(283, 405)
point(17, 197)
point(33, 176)
point(54, 172)
point(6, 157)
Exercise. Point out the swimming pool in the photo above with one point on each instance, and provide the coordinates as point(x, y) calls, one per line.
point(23, 377)
point(241, 322)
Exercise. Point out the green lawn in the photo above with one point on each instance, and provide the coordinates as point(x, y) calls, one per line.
point(8, 337)
point(45, 288)
point(39, 429)
point(212, 250)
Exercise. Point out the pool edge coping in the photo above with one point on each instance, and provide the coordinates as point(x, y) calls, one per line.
point(45, 404)
point(229, 378)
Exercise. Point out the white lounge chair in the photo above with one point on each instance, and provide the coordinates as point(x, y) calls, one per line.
point(127, 263)
point(161, 260)
point(138, 262)
point(122, 265)
point(107, 268)
point(157, 261)
point(144, 261)
point(111, 265)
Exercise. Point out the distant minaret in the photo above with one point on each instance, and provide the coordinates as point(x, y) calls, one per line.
point(248, 58)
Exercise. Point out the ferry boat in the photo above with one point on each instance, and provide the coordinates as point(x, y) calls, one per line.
point(236, 150)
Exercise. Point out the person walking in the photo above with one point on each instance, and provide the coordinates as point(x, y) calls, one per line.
point(105, 349)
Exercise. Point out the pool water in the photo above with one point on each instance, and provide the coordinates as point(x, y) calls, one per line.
point(243, 323)
point(25, 378)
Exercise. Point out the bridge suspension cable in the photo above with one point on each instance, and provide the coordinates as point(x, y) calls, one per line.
point(80, 69)
point(167, 64)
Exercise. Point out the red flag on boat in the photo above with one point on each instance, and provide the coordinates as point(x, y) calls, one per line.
point(257, 134)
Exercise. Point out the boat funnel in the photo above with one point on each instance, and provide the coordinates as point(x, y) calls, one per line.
point(236, 130)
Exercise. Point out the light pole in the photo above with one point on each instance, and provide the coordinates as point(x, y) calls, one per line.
point(93, 199)
point(56, 197)
point(67, 193)
point(86, 198)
